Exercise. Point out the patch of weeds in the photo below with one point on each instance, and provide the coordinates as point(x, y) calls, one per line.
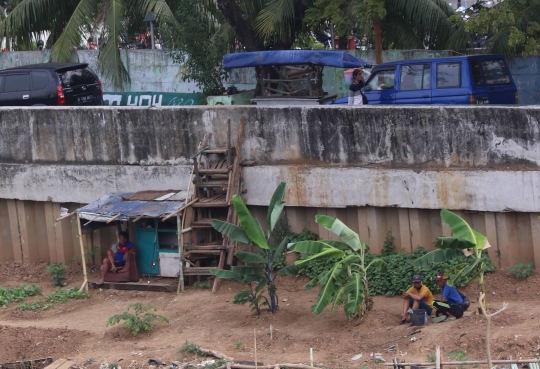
point(288, 337)
point(459, 355)
point(522, 271)
point(60, 296)
point(192, 348)
point(239, 345)
point(202, 285)
point(143, 319)
point(17, 294)
point(431, 358)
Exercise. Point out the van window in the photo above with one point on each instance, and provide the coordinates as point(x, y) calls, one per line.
point(381, 80)
point(415, 77)
point(476, 70)
point(448, 75)
point(77, 77)
point(40, 80)
point(495, 72)
point(17, 82)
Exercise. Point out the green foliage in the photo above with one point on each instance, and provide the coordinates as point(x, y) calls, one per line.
point(143, 319)
point(192, 349)
point(216, 365)
point(58, 273)
point(202, 285)
point(399, 271)
point(431, 358)
point(388, 246)
point(239, 345)
point(346, 282)
point(522, 271)
point(59, 296)
point(17, 294)
point(512, 27)
point(201, 48)
point(260, 274)
point(460, 355)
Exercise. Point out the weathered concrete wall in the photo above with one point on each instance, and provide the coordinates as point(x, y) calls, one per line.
point(380, 168)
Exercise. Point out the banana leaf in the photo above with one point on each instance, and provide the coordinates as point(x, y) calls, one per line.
point(226, 274)
point(436, 256)
point(231, 231)
point(337, 227)
point(250, 257)
point(278, 252)
point(276, 206)
point(355, 296)
point(453, 243)
point(245, 270)
point(326, 293)
point(248, 223)
point(310, 247)
point(288, 270)
point(339, 299)
point(328, 253)
point(462, 230)
point(261, 285)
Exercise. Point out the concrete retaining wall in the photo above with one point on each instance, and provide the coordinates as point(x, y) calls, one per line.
point(378, 163)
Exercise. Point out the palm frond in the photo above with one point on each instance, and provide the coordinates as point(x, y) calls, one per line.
point(498, 44)
point(111, 65)
point(276, 19)
point(459, 40)
point(64, 49)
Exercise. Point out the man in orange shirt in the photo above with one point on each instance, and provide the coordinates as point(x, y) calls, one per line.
point(416, 297)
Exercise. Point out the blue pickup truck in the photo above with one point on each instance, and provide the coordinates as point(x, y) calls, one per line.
point(476, 79)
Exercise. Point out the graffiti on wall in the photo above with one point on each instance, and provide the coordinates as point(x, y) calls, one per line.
point(151, 99)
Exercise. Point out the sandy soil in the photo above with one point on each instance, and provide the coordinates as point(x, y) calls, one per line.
point(77, 329)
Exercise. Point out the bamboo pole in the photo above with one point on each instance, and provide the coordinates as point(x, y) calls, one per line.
point(255, 340)
point(179, 226)
point(438, 357)
point(179, 210)
point(64, 217)
point(79, 234)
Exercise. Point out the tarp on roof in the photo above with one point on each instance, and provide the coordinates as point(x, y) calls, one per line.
point(338, 59)
point(113, 204)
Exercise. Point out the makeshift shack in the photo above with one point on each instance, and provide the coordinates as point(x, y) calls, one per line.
point(292, 77)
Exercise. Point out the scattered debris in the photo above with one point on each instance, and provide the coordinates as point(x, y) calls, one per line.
point(357, 357)
point(155, 362)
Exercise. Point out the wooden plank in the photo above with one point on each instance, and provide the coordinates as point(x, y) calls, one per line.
point(33, 241)
point(23, 232)
point(6, 247)
point(234, 179)
point(404, 230)
point(214, 171)
point(220, 204)
point(57, 363)
point(135, 286)
point(50, 228)
point(13, 221)
point(59, 234)
point(40, 221)
point(491, 234)
point(68, 364)
point(535, 233)
point(197, 271)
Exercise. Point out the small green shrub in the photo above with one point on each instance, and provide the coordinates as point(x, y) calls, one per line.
point(431, 358)
point(143, 319)
point(193, 349)
point(239, 345)
point(388, 246)
point(60, 296)
point(58, 273)
point(17, 294)
point(522, 271)
point(202, 285)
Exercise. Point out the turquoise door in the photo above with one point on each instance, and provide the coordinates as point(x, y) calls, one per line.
point(147, 251)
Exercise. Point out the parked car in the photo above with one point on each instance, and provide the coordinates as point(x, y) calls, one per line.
point(477, 79)
point(61, 84)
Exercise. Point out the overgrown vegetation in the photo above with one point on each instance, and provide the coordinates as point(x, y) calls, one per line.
point(346, 283)
point(143, 319)
point(17, 294)
point(58, 273)
point(202, 285)
point(59, 296)
point(259, 272)
point(522, 271)
point(192, 349)
point(399, 271)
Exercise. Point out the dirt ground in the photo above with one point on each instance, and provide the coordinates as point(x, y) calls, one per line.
point(77, 329)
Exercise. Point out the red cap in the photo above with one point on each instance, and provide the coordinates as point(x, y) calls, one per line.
point(440, 277)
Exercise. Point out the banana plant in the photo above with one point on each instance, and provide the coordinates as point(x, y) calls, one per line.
point(258, 273)
point(466, 240)
point(346, 282)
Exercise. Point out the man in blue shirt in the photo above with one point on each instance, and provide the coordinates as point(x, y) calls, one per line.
point(116, 256)
point(451, 305)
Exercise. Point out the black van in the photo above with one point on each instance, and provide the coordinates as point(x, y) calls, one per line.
point(60, 84)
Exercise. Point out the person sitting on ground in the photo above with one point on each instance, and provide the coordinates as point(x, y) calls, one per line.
point(450, 307)
point(116, 256)
point(416, 297)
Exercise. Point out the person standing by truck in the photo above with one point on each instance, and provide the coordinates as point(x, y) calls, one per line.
point(356, 89)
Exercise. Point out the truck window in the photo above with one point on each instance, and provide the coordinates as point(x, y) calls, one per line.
point(495, 72)
point(381, 80)
point(17, 82)
point(448, 75)
point(40, 80)
point(476, 71)
point(415, 77)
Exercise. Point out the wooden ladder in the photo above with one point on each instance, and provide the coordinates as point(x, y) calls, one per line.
point(216, 180)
